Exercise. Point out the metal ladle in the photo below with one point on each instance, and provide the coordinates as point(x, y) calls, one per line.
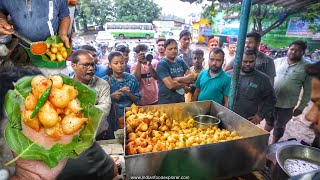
point(33, 45)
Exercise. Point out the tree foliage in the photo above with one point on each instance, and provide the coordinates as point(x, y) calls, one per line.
point(136, 11)
point(261, 15)
point(96, 12)
point(312, 15)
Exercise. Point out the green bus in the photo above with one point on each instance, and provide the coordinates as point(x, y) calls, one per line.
point(130, 30)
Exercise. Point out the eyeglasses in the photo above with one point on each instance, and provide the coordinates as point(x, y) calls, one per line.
point(87, 65)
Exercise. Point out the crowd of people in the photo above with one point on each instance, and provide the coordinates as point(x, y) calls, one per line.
point(268, 89)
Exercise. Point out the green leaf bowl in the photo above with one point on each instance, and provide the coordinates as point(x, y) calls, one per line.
point(43, 60)
point(27, 149)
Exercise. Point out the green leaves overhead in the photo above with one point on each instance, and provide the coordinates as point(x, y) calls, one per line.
point(312, 16)
point(136, 11)
point(94, 12)
point(265, 18)
point(98, 12)
point(25, 148)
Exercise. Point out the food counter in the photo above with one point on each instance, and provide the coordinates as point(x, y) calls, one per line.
point(217, 160)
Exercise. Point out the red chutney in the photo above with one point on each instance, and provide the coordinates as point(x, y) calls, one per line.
point(38, 48)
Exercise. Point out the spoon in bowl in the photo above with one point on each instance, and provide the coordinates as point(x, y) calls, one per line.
point(36, 48)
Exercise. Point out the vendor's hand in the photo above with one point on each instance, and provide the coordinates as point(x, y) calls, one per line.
point(65, 40)
point(255, 119)
point(35, 169)
point(296, 112)
point(140, 57)
point(116, 95)
point(125, 89)
point(5, 26)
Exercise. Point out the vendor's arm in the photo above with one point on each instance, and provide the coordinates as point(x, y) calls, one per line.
point(64, 23)
point(63, 30)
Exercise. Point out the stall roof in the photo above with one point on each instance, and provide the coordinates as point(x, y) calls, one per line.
point(288, 4)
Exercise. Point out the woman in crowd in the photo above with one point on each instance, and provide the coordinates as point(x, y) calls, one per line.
point(124, 90)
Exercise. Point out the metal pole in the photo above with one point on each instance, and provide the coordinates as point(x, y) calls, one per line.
point(244, 20)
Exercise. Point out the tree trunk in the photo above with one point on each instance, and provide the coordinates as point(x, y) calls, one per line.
point(85, 25)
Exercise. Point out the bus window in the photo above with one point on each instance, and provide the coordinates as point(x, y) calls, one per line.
point(141, 30)
point(126, 27)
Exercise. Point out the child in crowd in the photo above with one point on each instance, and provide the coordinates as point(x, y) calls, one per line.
point(124, 90)
point(197, 58)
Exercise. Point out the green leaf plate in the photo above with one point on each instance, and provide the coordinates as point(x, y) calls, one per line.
point(25, 148)
point(43, 60)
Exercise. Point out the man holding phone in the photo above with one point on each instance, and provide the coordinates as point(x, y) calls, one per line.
point(144, 71)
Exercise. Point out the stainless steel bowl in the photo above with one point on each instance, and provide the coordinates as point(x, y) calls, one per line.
point(205, 121)
point(298, 159)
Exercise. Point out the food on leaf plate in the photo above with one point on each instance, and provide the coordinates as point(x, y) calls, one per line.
point(155, 131)
point(50, 118)
point(55, 108)
point(56, 52)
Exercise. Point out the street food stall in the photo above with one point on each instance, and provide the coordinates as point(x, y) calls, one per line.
point(216, 160)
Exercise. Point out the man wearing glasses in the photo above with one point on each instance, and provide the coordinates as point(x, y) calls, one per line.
point(94, 163)
point(84, 67)
point(100, 70)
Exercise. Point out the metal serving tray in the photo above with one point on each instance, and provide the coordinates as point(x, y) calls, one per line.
point(216, 160)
